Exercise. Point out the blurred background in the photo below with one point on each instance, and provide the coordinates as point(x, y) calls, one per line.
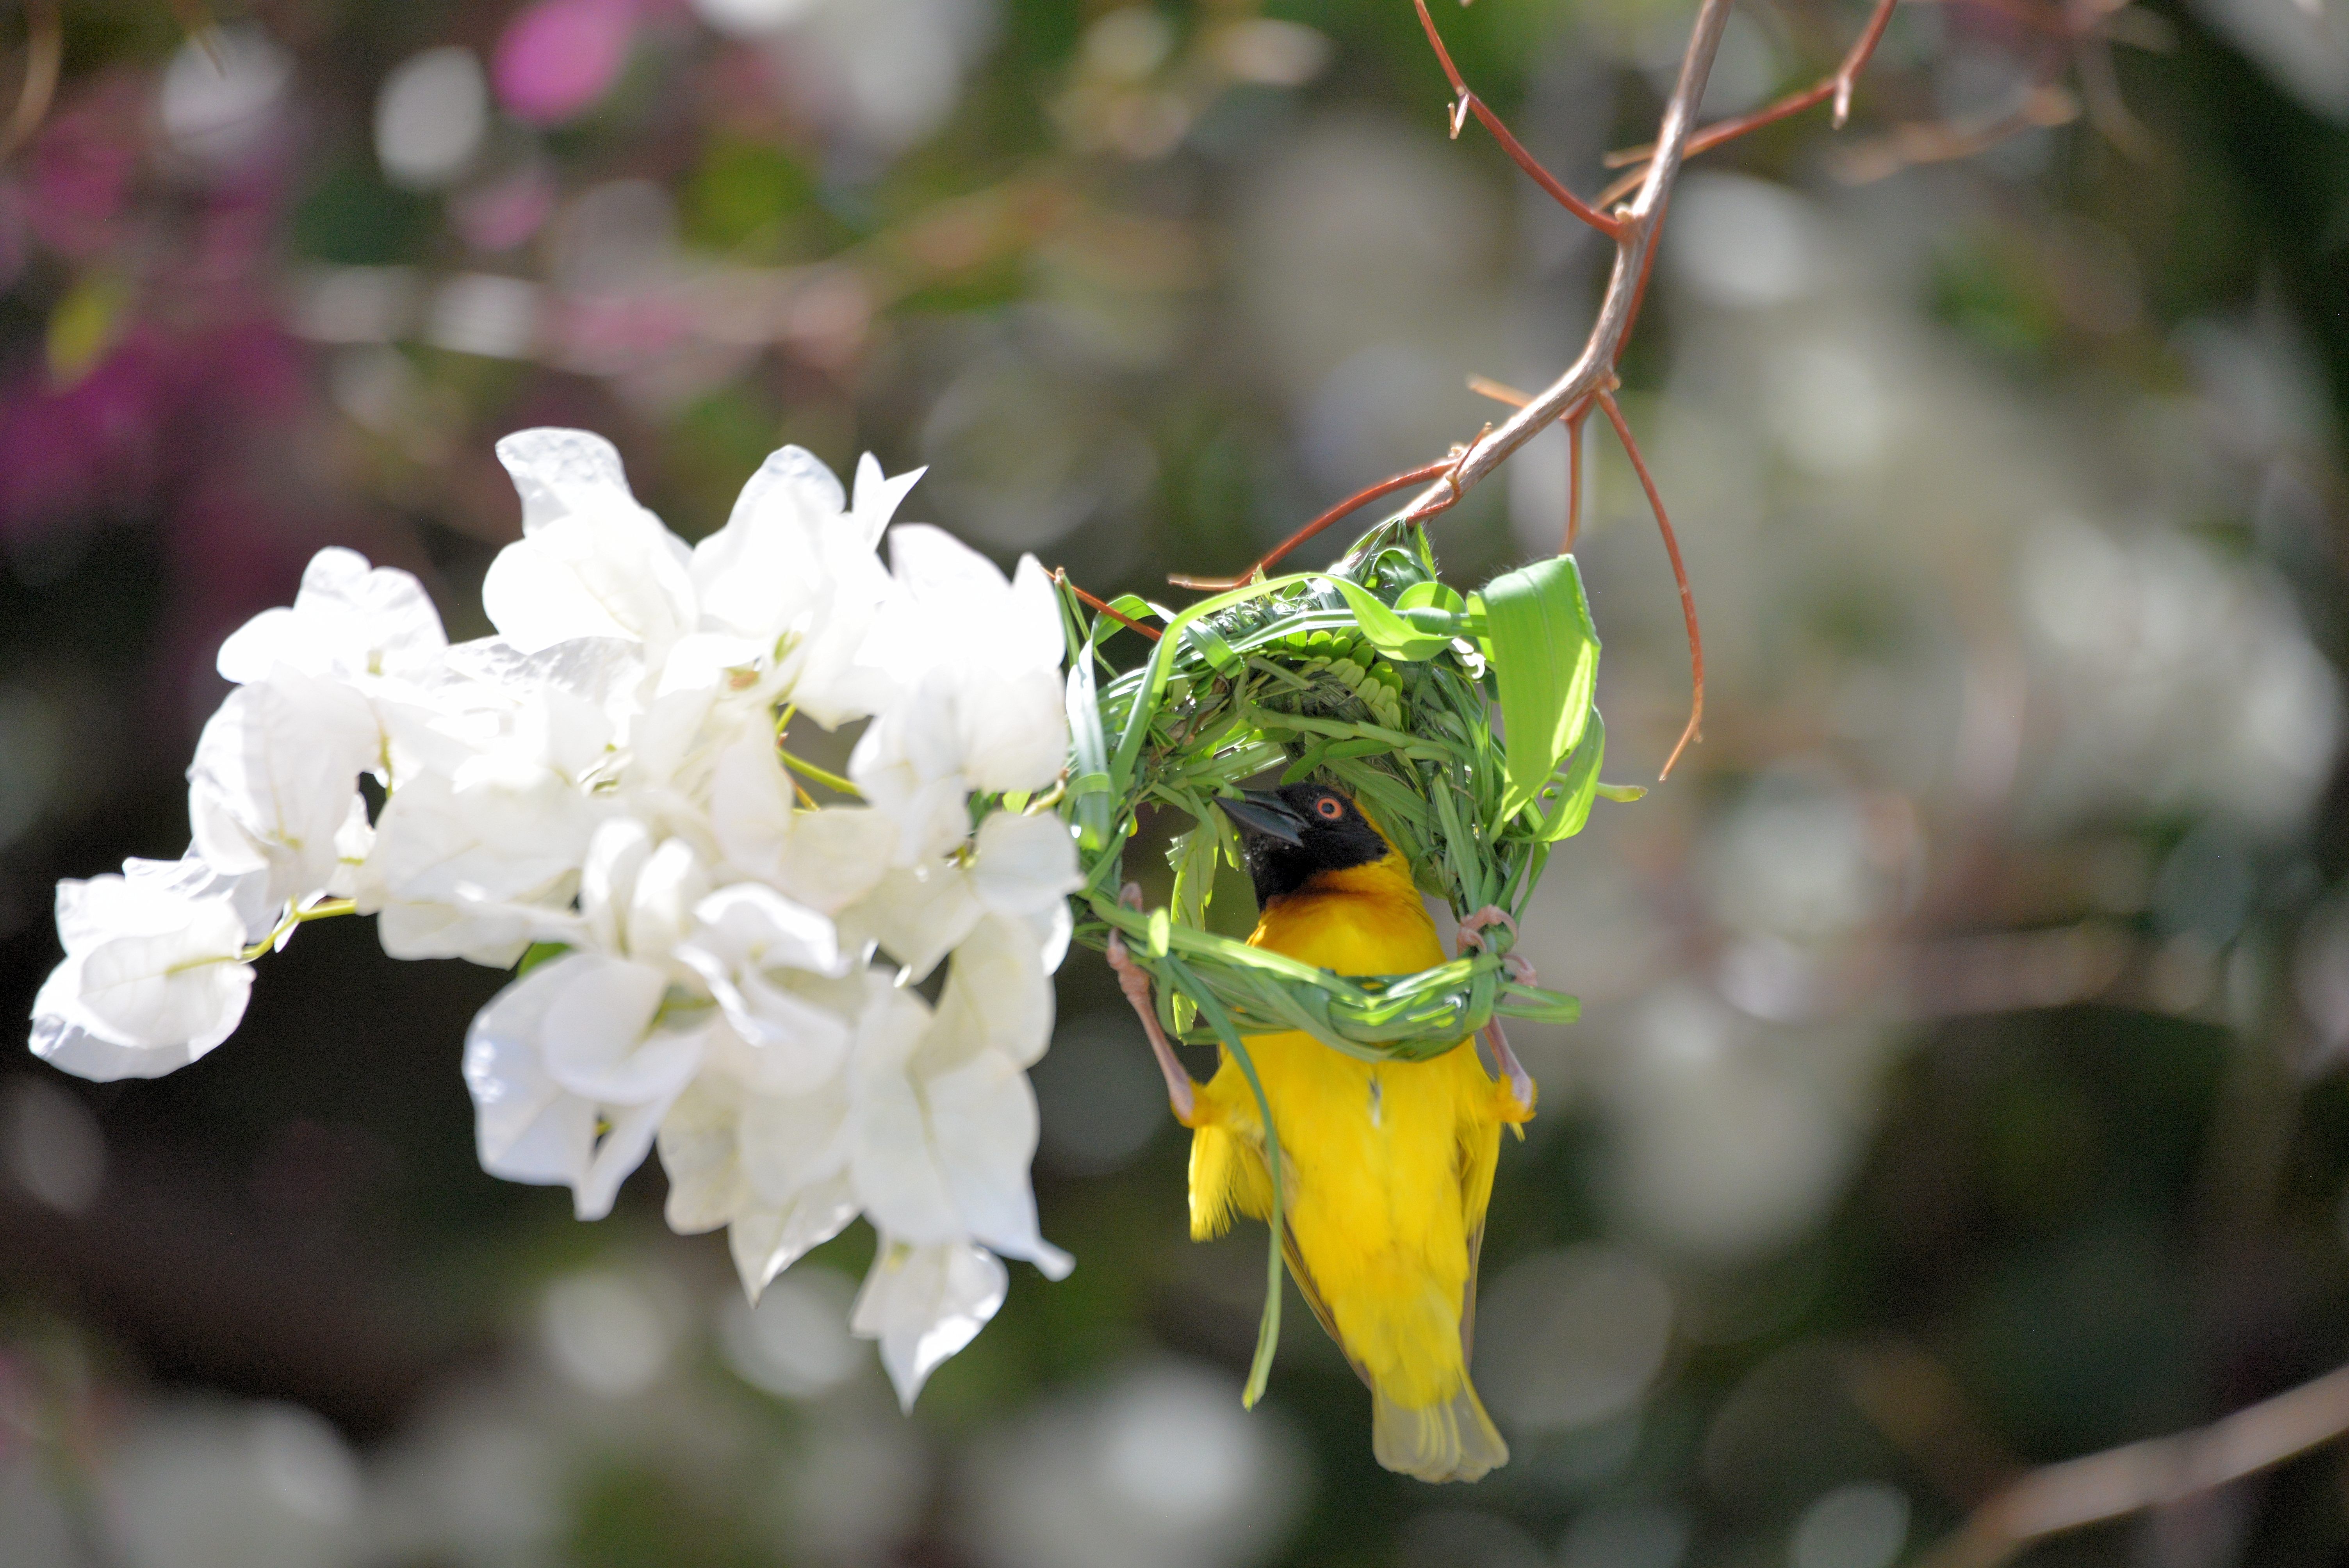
point(1958, 1087)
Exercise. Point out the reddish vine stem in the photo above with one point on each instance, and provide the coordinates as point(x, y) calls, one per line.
point(1679, 575)
point(1360, 498)
point(1633, 228)
point(1837, 84)
point(1061, 574)
point(1634, 245)
point(1501, 392)
point(1466, 99)
point(1573, 419)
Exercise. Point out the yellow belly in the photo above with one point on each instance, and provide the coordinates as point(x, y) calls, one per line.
point(1387, 1170)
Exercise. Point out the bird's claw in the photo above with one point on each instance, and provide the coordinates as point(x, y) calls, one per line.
point(1517, 968)
point(1473, 927)
point(1513, 1071)
point(1182, 1092)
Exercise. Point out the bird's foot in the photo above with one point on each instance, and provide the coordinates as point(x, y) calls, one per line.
point(1182, 1091)
point(1518, 967)
point(1522, 1088)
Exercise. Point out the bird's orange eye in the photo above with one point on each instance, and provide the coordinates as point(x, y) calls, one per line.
point(1328, 809)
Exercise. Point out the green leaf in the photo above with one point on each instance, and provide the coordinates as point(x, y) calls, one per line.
point(1268, 1333)
point(1304, 767)
point(1579, 787)
point(1623, 794)
point(1389, 632)
point(1212, 647)
point(539, 953)
point(1095, 799)
point(1545, 655)
point(1193, 855)
point(1431, 595)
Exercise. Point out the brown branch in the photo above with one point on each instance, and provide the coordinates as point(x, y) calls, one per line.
point(1633, 246)
point(1679, 575)
point(1837, 84)
point(1360, 498)
point(2154, 1473)
point(1060, 575)
point(45, 51)
point(1463, 100)
point(1634, 228)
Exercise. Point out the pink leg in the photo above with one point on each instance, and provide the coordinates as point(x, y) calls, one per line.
point(1182, 1092)
point(1473, 927)
point(1521, 1082)
point(1521, 970)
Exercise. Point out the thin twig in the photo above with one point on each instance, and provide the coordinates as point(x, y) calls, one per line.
point(1061, 574)
point(1634, 245)
point(1464, 100)
point(1837, 84)
point(1360, 498)
point(45, 51)
point(2154, 1473)
point(1679, 575)
point(1502, 392)
point(1634, 229)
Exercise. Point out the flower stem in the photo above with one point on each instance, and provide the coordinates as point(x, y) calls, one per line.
point(832, 781)
point(325, 910)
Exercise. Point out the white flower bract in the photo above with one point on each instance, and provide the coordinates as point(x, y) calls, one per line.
point(153, 976)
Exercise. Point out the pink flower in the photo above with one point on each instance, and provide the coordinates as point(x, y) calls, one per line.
point(557, 57)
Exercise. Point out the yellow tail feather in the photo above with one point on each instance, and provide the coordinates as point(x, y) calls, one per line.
point(1455, 1440)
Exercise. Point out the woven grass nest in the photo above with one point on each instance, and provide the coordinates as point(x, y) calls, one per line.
point(1374, 677)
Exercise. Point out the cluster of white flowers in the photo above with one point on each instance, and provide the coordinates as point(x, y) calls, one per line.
point(722, 969)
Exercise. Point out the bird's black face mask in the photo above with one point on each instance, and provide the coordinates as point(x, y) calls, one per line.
point(1294, 834)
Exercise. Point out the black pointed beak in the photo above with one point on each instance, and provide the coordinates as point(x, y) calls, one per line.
point(1262, 811)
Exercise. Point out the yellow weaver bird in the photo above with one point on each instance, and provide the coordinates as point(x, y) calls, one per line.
point(1388, 1166)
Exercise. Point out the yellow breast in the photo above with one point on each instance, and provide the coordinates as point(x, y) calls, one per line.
point(1365, 919)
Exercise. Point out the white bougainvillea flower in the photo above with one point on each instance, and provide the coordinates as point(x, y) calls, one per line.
point(497, 787)
point(153, 976)
point(942, 1130)
point(1000, 990)
point(572, 1066)
point(605, 1038)
point(275, 778)
point(980, 655)
point(470, 867)
point(928, 1128)
point(757, 952)
point(908, 765)
point(826, 859)
point(923, 1304)
point(605, 777)
point(1021, 867)
point(772, 1221)
point(350, 622)
point(570, 1076)
point(592, 562)
point(795, 568)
